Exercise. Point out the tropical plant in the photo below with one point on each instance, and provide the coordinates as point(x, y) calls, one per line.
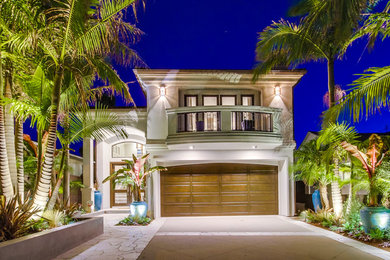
point(15, 217)
point(323, 32)
point(55, 218)
point(369, 93)
point(135, 221)
point(134, 174)
point(371, 160)
point(311, 169)
point(331, 138)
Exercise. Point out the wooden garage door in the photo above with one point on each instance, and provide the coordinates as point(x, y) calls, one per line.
point(219, 189)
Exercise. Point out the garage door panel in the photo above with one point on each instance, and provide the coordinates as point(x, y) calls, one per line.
point(198, 187)
point(205, 178)
point(177, 199)
point(226, 198)
point(205, 198)
point(219, 189)
point(262, 187)
point(177, 188)
point(234, 187)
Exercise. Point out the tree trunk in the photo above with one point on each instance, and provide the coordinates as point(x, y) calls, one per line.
point(9, 130)
point(336, 193)
point(66, 184)
point(324, 196)
point(350, 190)
point(5, 177)
point(19, 157)
point(54, 195)
point(331, 82)
point(6, 182)
point(42, 193)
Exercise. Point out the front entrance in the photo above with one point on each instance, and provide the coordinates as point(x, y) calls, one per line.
point(219, 189)
point(119, 193)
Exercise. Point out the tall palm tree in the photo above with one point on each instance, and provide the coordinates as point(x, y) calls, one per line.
point(370, 92)
point(332, 137)
point(86, 31)
point(312, 170)
point(320, 36)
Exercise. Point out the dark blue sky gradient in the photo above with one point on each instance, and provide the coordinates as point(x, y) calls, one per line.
point(222, 34)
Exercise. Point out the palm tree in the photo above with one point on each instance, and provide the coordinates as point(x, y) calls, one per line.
point(311, 169)
point(370, 92)
point(80, 30)
point(332, 137)
point(320, 36)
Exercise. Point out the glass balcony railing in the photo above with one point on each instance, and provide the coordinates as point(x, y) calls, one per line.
point(224, 119)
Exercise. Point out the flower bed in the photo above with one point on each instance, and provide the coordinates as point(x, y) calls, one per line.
point(50, 243)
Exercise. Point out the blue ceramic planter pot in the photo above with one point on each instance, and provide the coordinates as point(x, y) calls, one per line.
point(98, 200)
point(316, 200)
point(138, 208)
point(375, 218)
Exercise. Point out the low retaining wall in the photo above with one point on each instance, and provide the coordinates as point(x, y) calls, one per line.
point(50, 243)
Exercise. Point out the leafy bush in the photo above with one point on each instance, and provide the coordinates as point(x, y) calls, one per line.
point(135, 221)
point(323, 216)
point(15, 217)
point(69, 211)
point(352, 220)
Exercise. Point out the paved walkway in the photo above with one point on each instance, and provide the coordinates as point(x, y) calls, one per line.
point(237, 237)
point(117, 242)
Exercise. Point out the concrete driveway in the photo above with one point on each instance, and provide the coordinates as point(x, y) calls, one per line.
point(252, 237)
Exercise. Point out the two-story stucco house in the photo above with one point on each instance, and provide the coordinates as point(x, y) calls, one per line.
point(227, 143)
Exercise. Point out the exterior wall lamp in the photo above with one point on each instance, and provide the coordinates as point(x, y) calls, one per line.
point(278, 90)
point(162, 90)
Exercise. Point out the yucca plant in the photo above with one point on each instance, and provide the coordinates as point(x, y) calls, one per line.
point(55, 218)
point(15, 217)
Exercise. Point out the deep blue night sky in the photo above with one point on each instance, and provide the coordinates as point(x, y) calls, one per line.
point(222, 34)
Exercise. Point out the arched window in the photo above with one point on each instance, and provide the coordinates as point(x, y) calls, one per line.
point(127, 149)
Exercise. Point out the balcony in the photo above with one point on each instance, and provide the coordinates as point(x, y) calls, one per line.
point(221, 124)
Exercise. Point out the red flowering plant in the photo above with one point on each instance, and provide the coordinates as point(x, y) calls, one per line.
point(134, 174)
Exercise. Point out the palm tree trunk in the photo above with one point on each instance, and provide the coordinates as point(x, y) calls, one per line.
point(5, 177)
point(331, 82)
point(54, 195)
point(350, 193)
point(324, 196)
point(336, 193)
point(42, 193)
point(66, 186)
point(9, 130)
point(19, 157)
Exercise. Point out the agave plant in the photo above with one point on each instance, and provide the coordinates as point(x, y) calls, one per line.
point(371, 160)
point(15, 217)
point(134, 174)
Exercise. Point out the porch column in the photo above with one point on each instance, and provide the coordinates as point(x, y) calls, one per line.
point(87, 192)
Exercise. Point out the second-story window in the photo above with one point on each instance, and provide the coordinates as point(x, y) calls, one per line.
point(228, 100)
point(210, 100)
point(191, 101)
point(247, 100)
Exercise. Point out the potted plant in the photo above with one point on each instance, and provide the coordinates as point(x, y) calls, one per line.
point(134, 175)
point(376, 183)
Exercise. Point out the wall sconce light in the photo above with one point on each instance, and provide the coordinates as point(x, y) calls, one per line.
point(162, 90)
point(278, 90)
point(191, 147)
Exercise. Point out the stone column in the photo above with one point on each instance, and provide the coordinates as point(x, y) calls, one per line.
point(87, 192)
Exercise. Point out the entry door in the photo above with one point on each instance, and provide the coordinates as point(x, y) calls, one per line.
point(119, 193)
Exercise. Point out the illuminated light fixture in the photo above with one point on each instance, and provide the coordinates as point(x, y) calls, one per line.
point(278, 90)
point(254, 147)
point(162, 90)
point(191, 147)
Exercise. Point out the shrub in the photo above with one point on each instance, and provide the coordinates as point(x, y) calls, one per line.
point(135, 221)
point(323, 216)
point(15, 217)
point(69, 211)
point(352, 220)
